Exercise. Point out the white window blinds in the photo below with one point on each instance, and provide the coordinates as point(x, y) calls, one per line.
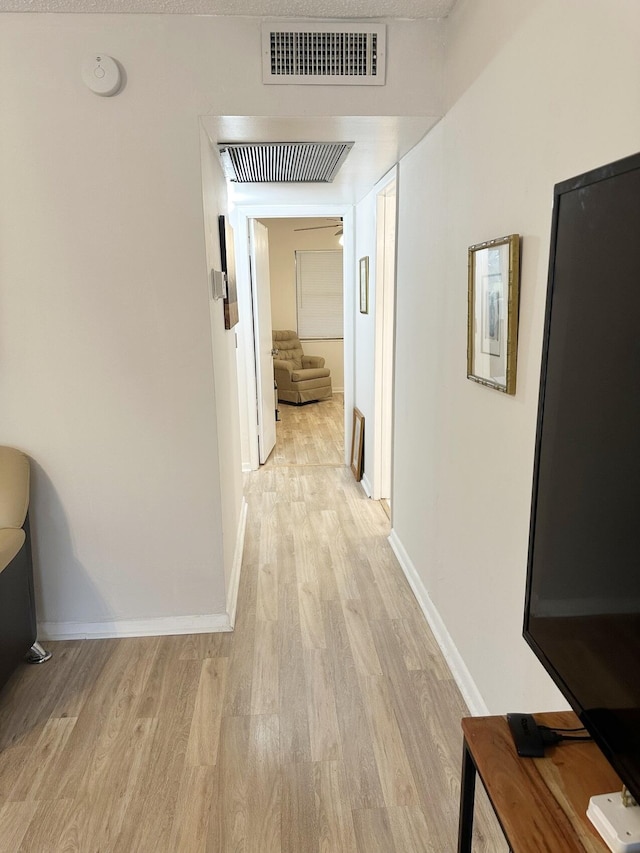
point(319, 294)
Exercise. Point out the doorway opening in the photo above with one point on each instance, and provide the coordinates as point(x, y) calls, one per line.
point(297, 284)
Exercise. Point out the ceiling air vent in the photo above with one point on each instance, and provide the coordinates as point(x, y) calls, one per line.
point(333, 54)
point(282, 162)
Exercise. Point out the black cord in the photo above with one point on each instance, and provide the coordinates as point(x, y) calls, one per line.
point(586, 737)
point(554, 729)
point(551, 737)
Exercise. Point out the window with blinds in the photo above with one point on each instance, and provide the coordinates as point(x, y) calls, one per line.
point(319, 295)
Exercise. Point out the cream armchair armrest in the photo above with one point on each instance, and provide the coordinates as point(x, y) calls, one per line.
point(11, 541)
point(308, 373)
point(312, 361)
point(282, 371)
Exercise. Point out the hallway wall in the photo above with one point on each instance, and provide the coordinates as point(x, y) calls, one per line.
point(107, 378)
point(224, 365)
point(365, 330)
point(539, 91)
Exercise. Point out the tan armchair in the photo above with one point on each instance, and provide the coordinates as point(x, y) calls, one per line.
point(300, 378)
point(18, 629)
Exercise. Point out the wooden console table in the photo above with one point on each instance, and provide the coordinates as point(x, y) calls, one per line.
point(541, 803)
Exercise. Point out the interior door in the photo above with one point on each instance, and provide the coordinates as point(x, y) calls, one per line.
point(261, 295)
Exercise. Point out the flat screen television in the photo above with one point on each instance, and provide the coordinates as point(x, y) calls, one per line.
point(582, 609)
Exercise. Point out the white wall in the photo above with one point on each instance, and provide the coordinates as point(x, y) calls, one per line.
point(539, 91)
point(106, 366)
point(365, 330)
point(223, 352)
point(106, 374)
point(284, 242)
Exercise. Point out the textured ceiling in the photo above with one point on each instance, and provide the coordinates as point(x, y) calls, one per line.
point(259, 8)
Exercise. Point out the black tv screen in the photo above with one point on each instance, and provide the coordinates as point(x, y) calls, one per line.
point(582, 610)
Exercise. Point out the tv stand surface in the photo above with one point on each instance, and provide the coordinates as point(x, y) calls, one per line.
point(541, 803)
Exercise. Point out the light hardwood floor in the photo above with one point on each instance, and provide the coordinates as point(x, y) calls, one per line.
point(326, 723)
point(312, 434)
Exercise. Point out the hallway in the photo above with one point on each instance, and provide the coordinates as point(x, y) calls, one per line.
point(327, 722)
point(354, 717)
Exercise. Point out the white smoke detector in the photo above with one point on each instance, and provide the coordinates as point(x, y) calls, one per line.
point(101, 74)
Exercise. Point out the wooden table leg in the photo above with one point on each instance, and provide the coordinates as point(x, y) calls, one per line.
point(467, 797)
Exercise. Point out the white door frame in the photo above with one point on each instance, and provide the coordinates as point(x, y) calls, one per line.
point(384, 347)
point(247, 386)
point(261, 291)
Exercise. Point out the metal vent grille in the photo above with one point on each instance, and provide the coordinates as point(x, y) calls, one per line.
point(341, 54)
point(283, 162)
point(327, 54)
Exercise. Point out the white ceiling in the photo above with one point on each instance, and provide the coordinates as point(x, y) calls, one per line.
point(259, 8)
point(380, 141)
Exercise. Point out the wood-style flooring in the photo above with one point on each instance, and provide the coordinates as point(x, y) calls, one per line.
point(312, 434)
point(327, 722)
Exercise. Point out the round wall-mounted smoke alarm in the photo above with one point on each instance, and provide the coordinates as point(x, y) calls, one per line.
point(101, 74)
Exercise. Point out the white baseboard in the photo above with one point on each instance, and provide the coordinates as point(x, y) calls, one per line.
point(234, 579)
point(246, 467)
point(160, 625)
point(459, 671)
point(366, 486)
point(156, 626)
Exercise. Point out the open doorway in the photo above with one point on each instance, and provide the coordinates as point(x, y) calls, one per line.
point(304, 277)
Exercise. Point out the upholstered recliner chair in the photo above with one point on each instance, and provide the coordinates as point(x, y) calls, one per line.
point(300, 378)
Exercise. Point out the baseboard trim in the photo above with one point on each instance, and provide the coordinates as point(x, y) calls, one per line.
point(161, 625)
point(246, 467)
point(459, 671)
point(366, 486)
point(156, 626)
point(234, 580)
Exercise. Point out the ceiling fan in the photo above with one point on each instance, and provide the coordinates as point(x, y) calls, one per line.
point(337, 225)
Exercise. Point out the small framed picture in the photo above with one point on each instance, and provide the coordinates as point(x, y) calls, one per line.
point(364, 285)
point(357, 444)
point(492, 323)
